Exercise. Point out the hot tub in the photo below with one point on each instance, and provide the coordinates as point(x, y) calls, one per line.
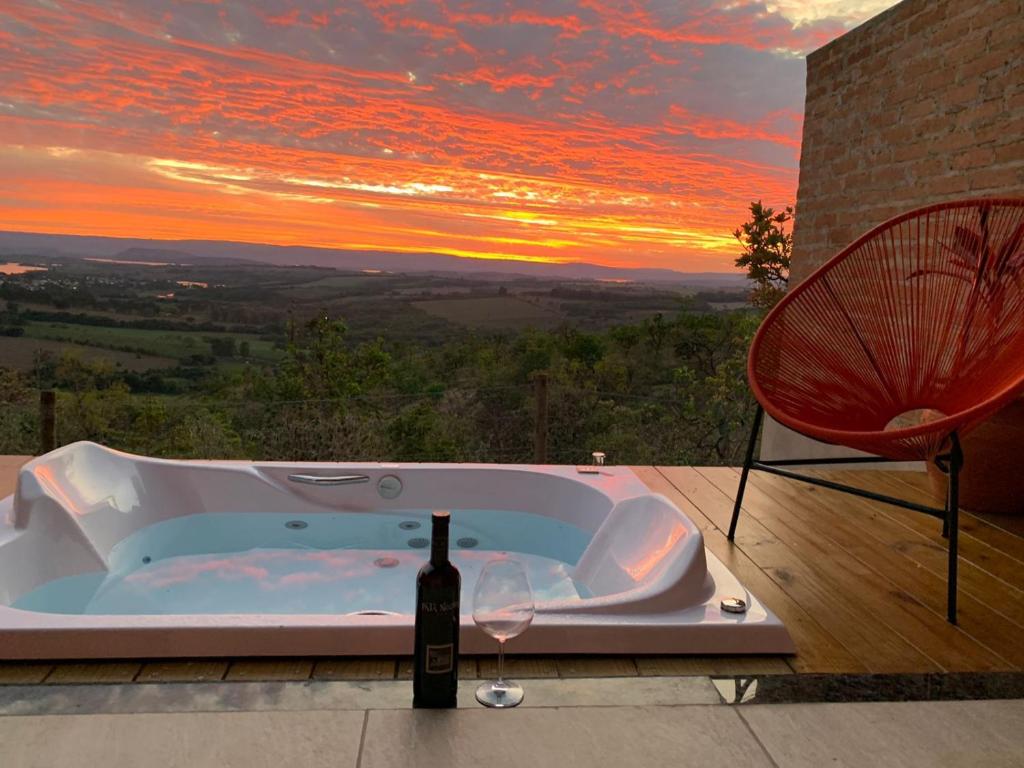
point(104, 554)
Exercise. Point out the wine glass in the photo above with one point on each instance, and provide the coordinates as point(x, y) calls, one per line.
point(503, 608)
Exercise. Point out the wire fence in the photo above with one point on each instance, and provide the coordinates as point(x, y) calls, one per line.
point(534, 422)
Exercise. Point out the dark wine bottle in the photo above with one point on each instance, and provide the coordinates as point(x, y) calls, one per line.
point(435, 678)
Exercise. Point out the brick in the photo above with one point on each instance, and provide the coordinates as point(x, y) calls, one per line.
point(976, 157)
point(912, 151)
point(954, 183)
point(887, 175)
point(917, 105)
point(944, 35)
point(1006, 36)
point(995, 14)
point(922, 108)
point(939, 81)
point(926, 20)
point(1009, 153)
point(997, 179)
point(966, 47)
point(952, 142)
point(961, 94)
point(991, 133)
point(981, 115)
point(994, 60)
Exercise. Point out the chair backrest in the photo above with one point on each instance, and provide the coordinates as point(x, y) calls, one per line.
point(925, 311)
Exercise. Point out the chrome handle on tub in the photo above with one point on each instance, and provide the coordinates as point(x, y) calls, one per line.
point(329, 479)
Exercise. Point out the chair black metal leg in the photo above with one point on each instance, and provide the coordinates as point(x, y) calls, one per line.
point(953, 523)
point(747, 461)
point(949, 492)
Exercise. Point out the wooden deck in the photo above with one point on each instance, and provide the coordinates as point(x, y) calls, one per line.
point(860, 586)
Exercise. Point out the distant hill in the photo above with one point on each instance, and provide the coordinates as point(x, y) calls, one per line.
point(170, 256)
point(224, 252)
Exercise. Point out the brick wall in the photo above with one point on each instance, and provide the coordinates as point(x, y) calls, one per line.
point(921, 104)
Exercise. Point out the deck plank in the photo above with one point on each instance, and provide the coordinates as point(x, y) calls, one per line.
point(817, 649)
point(177, 671)
point(94, 672)
point(355, 669)
point(808, 528)
point(519, 666)
point(992, 576)
point(596, 666)
point(807, 579)
point(670, 666)
point(999, 532)
point(1009, 522)
point(912, 562)
point(9, 466)
point(269, 670)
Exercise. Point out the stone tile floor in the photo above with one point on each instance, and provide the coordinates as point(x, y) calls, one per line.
point(378, 668)
point(627, 721)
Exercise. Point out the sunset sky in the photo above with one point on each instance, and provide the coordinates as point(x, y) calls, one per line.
point(610, 131)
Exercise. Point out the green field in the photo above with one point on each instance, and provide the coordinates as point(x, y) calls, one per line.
point(492, 312)
point(21, 353)
point(164, 344)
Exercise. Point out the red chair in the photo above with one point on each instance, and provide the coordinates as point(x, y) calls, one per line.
point(897, 346)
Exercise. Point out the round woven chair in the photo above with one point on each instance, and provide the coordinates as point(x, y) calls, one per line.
point(898, 345)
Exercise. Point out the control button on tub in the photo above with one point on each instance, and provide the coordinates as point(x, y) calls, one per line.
point(389, 487)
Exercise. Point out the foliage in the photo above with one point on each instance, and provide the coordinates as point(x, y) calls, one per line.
point(766, 252)
point(667, 390)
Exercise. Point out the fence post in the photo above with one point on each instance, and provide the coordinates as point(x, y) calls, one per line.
point(540, 419)
point(47, 421)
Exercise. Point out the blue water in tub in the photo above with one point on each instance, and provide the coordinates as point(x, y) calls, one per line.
point(328, 563)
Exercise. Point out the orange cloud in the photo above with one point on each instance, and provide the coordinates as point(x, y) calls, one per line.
point(607, 134)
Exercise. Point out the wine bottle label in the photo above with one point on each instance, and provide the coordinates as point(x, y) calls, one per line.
point(439, 659)
point(442, 606)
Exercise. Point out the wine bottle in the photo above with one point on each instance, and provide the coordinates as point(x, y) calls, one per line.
point(436, 672)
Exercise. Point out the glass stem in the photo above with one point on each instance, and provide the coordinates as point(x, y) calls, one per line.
point(501, 661)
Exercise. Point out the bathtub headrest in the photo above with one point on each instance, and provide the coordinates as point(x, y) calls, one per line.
point(634, 547)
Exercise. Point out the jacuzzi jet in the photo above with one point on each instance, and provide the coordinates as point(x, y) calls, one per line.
point(419, 543)
point(409, 525)
point(373, 613)
point(467, 542)
point(296, 525)
point(386, 562)
point(147, 560)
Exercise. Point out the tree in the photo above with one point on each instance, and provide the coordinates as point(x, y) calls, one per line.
point(766, 250)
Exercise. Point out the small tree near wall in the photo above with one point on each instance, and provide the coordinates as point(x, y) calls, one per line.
point(766, 250)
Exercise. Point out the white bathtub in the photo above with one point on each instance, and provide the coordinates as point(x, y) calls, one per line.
point(104, 554)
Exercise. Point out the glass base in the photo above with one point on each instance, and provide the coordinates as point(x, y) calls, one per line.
point(500, 694)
